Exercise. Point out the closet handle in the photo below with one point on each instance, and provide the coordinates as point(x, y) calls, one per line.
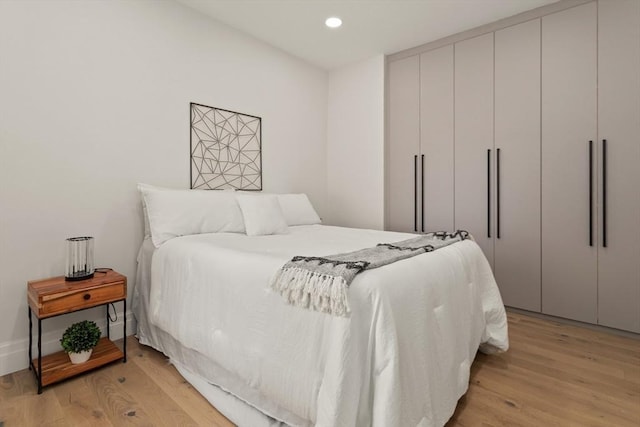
point(415, 193)
point(489, 193)
point(422, 194)
point(604, 193)
point(590, 193)
point(498, 193)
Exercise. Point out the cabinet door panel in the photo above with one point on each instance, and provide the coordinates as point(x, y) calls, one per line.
point(436, 137)
point(569, 265)
point(473, 137)
point(619, 124)
point(404, 141)
point(517, 135)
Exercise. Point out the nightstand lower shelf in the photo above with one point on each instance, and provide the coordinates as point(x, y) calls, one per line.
point(57, 366)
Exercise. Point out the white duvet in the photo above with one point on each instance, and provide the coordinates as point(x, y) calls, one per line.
point(402, 358)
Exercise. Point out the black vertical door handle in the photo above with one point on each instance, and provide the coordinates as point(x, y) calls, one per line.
point(498, 193)
point(415, 193)
point(604, 193)
point(422, 195)
point(489, 193)
point(590, 193)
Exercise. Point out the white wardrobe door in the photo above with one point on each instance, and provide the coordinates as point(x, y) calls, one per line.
point(517, 136)
point(569, 265)
point(473, 137)
point(619, 124)
point(404, 141)
point(436, 137)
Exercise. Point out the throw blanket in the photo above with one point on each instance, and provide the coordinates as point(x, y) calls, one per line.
point(321, 283)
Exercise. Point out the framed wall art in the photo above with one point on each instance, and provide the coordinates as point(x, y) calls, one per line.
point(226, 149)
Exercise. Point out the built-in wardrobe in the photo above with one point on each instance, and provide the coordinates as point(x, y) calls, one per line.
point(526, 132)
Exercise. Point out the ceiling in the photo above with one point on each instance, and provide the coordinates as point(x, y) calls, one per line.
point(370, 27)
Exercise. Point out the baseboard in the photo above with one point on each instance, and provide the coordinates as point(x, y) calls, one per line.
point(14, 354)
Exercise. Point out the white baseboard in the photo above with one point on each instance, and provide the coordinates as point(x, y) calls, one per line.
point(14, 355)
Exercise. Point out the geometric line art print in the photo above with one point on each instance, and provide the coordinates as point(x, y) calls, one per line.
point(226, 149)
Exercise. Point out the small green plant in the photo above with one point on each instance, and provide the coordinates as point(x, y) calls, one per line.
point(81, 336)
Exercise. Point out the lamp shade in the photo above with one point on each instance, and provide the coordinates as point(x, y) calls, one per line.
point(79, 258)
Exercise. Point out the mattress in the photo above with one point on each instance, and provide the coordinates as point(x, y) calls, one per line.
point(402, 357)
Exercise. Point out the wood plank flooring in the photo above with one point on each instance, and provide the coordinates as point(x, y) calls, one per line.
point(553, 375)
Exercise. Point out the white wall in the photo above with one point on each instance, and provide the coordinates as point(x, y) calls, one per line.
point(94, 97)
point(355, 145)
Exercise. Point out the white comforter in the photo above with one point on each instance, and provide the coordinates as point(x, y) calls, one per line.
point(401, 359)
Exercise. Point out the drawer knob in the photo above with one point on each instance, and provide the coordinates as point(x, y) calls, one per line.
point(87, 297)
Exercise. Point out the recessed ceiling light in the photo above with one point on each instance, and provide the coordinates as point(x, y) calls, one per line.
point(333, 22)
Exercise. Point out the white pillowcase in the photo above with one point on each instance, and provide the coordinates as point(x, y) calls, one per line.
point(297, 209)
point(174, 213)
point(262, 214)
point(145, 215)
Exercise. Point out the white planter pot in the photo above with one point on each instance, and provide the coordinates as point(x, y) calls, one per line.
point(77, 358)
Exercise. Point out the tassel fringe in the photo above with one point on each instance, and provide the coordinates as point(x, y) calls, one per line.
point(315, 291)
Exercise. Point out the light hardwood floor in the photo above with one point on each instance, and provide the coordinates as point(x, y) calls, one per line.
point(553, 375)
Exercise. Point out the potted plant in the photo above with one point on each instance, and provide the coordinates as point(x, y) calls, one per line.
point(79, 340)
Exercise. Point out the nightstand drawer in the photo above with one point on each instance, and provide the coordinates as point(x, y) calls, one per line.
point(83, 299)
point(51, 297)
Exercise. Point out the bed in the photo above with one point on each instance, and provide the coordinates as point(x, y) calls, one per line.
point(401, 358)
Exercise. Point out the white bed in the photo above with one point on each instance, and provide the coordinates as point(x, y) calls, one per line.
point(402, 357)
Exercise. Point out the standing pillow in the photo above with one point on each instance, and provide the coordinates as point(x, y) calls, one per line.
point(297, 209)
point(142, 188)
point(262, 214)
point(174, 213)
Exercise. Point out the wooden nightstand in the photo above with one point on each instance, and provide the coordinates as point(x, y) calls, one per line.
point(54, 297)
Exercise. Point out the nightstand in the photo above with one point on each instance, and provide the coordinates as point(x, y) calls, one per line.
point(54, 297)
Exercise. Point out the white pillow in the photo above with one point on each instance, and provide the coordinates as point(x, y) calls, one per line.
point(174, 213)
point(145, 215)
point(262, 214)
point(297, 209)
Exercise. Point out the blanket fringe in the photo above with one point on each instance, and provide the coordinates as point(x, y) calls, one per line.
point(307, 289)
